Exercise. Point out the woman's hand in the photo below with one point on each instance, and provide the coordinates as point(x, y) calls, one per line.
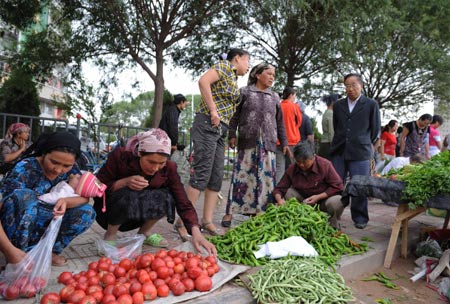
point(200, 241)
point(287, 152)
point(232, 143)
point(60, 207)
point(136, 182)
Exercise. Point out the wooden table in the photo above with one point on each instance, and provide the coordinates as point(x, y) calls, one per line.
point(404, 214)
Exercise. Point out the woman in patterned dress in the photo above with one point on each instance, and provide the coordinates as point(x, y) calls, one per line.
point(24, 217)
point(259, 122)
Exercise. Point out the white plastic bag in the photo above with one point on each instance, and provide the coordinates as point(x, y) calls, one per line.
point(126, 247)
point(294, 245)
point(31, 275)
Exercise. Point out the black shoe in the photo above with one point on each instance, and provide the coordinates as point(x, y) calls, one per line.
point(360, 225)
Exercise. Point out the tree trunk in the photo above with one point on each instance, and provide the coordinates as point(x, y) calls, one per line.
point(159, 90)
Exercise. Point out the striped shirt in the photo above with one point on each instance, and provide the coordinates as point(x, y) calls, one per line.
point(225, 92)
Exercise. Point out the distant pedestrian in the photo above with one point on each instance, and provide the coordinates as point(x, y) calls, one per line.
point(169, 120)
point(15, 143)
point(435, 137)
point(327, 126)
point(415, 137)
point(292, 117)
point(388, 142)
point(306, 129)
point(356, 123)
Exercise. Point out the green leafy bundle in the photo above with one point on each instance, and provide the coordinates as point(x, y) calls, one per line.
point(423, 181)
point(279, 223)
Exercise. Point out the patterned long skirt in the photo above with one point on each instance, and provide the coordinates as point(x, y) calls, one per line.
point(25, 219)
point(252, 181)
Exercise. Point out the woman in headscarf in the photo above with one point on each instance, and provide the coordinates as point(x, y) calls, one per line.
point(13, 145)
point(143, 187)
point(259, 122)
point(24, 217)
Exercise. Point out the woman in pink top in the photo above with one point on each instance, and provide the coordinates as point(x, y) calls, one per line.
point(388, 144)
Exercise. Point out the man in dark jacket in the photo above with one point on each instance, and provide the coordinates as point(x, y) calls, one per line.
point(169, 120)
point(356, 122)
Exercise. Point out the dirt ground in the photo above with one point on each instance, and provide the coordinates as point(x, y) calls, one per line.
point(408, 292)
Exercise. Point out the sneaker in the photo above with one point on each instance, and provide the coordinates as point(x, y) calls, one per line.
point(156, 240)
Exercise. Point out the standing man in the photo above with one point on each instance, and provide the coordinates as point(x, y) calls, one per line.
point(356, 123)
point(169, 121)
point(292, 118)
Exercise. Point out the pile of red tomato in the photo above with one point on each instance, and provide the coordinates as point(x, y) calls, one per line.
point(23, 287)
point(145, 278)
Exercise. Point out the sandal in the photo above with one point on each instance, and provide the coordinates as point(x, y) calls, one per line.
point(226, 220)
point(156, 240)
point(216, 231)
point(184, 235)
point(58, 260)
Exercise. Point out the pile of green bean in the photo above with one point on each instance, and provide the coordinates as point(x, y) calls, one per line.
point(279, 223)
point(298, 281)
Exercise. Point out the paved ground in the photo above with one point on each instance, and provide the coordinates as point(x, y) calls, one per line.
point(83, 249)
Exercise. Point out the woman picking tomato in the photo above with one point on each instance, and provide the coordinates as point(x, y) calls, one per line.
point(144, 186)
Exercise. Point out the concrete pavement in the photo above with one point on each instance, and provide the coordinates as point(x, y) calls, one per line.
point(83, 250)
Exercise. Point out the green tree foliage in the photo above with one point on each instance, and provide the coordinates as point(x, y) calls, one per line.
point(402, 51)
point(141, 32)
point(19, 13)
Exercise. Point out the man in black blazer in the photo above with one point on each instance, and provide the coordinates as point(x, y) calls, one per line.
point(356, 121)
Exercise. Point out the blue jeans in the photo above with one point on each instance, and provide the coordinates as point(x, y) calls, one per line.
point(359, 211)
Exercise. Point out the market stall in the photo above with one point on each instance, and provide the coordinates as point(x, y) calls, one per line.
point(392, 190)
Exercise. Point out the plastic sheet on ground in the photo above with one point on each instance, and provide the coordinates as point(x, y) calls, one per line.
point(226, 273)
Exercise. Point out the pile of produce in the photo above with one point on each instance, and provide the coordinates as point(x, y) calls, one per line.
point(423, 181)
point(134, 281)
point(298, 281)
point(278, 223)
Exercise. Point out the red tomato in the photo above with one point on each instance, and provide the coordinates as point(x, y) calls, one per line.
point(153, 275)
point(210, 270)
point(161, 253)
point(120, 290)
point(216, 267)
point(159, 282)
point(190, 254)
point(108, 298)
point(172, 253)
point(194, 272)
point(144, 278)
point(87, 300)
point(11, 292)
point(103, 266)
point(108, 279)
point(66, 292)
point(131, 273)
point(157, 262)
point(135, 287)
point(109, 290)
point(182, 255)
point(95, 280)
point(203, 283)
point(163, 272)
point(126, 264)
point(191, 262)
point(163, 291)
point(105, 259)
point(50, 298)
point(39, 283)
point(93, 265)
point(76, 296)
point(120, 272)
point(177, 288)
point(178, 268)
point(82, 286)
point(188, 284)
point(176, 276)
point(98, 295)
point(149, 291)
point(125, 299)
point(145, 260)
point(94, 288)
point(112, 267)
point(138, 297)
point(91, 273)
point(212, 259)
point(27, 291)
point(64, 277)
point(177, 260)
